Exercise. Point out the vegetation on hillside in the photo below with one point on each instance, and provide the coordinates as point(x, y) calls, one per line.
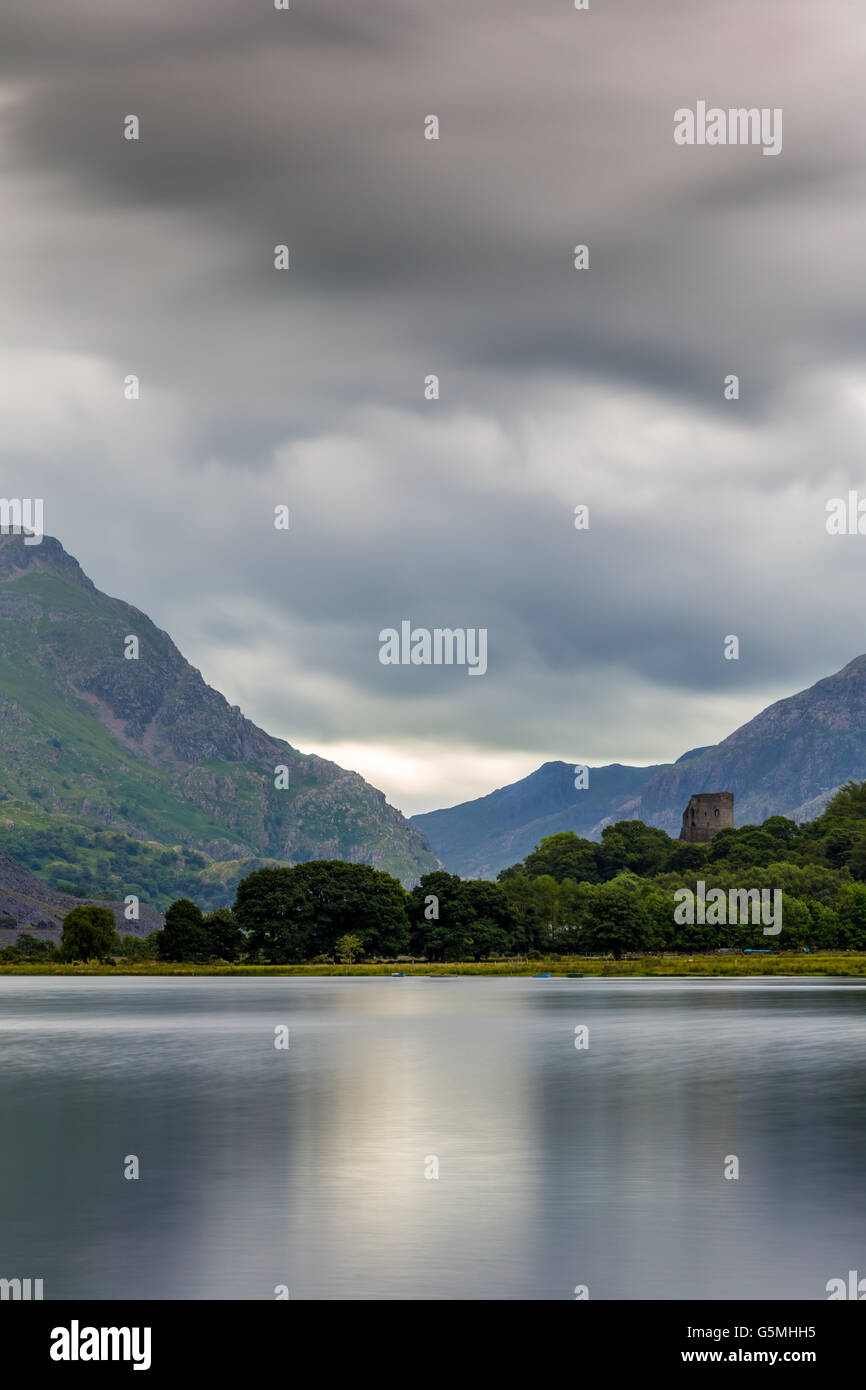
point(569, 897)
point(105, 863)
point(146, 749)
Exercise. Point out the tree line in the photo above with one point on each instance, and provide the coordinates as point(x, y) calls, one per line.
point(569, 896)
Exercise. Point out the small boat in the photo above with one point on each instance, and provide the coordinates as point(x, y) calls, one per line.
point(398, 975)
point(542, 977)
point(575, 977)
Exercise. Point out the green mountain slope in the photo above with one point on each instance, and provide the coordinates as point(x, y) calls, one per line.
point(93, 742)
point(27, 903)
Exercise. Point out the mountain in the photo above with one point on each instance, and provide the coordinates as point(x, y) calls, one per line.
point(692, 753)
point(789, 760)
point(478, 838)
point(27, 903)
point(104, 755)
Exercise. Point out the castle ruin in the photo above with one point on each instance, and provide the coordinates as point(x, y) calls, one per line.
point(706, 814)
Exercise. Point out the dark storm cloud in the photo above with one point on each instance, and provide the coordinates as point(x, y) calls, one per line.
point(455, 257)
point(54, 34)
point(268, 132)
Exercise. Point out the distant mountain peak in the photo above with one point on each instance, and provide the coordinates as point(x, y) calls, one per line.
point(146, 746)
point(695, 753)
point(479, 837)
point(789, 760)
point(18, 557)
point(791, 756)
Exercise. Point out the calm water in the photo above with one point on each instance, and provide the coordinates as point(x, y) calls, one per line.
point(557, 1167)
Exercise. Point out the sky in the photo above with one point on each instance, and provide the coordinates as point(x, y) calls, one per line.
point(559, 387)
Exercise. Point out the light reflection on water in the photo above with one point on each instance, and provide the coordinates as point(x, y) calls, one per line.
point(557, 1167)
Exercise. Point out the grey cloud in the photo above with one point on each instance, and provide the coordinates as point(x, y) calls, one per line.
point(411, 257)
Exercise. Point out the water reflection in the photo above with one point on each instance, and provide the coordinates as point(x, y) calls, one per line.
point(557, 1167)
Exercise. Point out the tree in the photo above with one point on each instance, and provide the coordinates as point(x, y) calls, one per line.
point(684, 858)
point(563, 856)
point(847, 806)
point(184, 936)
point(348, 947)
point(617, 921)
point(534, 904)
point(613, 853)
point(857, 858)
point(89, 934)
point(659, 906)
point(575, 901)
point(796, 924)
point(226, 940)
point(295, 913)
point(30, 948)
point(544, 909)
point(826, 929)
point(270, 907)
point(140, 947)
point(743, 848)
point(630, 844)
point(781, 828)
point(441, 915)
point(839, 844)
point(493, 923)
point(851, 911)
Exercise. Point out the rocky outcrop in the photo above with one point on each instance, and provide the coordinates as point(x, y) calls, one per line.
point(31, 904)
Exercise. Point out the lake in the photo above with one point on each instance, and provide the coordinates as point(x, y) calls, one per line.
point(312, 1166)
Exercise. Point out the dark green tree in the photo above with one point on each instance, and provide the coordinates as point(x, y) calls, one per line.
point(493, 923)
point(225, 938)
point(783, 829)
point(851, 911)
point(562, 856)
point(140, 947)
point(295, 913)
point(184, 936)
point(29, 948)
point(89, 934)
point(271, 908)
point(617, 921)
point(630, 844)
point(441, 915)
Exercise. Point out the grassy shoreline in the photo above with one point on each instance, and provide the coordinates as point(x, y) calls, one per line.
point(838, 963)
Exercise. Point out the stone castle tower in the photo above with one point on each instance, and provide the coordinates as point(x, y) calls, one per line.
point(707, 814)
